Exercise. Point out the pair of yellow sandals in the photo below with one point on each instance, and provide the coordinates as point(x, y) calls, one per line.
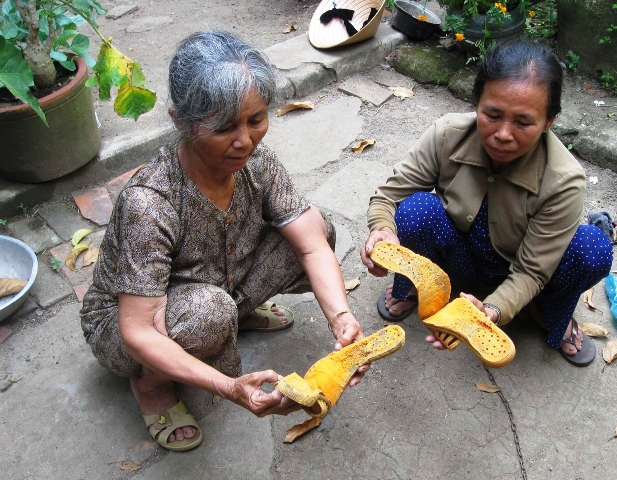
point(452, 323)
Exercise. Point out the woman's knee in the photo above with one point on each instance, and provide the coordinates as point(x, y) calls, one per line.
point(201, 318)
point(592, 251)
point(418, 211)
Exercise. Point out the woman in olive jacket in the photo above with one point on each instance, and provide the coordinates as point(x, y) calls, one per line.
point(507, 203)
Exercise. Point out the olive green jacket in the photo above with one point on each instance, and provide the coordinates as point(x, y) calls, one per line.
point(534, 207)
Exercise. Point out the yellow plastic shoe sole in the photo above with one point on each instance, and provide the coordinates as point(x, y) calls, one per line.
point(454, 322)
point(460, 320)
point(326, 380)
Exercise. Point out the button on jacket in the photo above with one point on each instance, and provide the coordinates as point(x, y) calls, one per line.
point(534, 207)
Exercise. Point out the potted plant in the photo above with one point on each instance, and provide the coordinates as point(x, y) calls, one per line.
point(479, 23)
point(43, 71)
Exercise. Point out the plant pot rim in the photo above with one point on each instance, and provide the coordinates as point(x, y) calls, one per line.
point(80, 75)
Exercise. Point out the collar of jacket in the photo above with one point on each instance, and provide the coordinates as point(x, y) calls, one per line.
point(525, 171)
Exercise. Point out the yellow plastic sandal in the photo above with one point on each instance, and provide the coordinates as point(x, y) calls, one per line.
point(454, 322)
point(327, 379)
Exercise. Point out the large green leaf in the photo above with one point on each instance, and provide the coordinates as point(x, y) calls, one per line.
point(132, 101)
point(16, 75)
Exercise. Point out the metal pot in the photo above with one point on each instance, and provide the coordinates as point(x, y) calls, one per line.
point(405, 19)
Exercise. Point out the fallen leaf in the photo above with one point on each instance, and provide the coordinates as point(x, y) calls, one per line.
point(587, 298)
point(298, 430)
point(293, 26)
point(215, 399)
point(74, 253)
point(91, 256)
point(128, 466)
point(79, 235)
point(362, 144)
point(487, 387)
point(401, 92)
point(609, 353)
point(295, 106)
point(594, 330)
point(351, 284)
point(9, 286)
point(610, 115)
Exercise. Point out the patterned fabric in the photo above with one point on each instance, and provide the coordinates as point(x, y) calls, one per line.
point(166, 238)
point(469, 259)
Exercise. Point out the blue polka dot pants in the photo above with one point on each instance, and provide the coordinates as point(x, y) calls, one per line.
point(469, 258)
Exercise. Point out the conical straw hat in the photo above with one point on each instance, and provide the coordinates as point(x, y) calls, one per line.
point(334, 34)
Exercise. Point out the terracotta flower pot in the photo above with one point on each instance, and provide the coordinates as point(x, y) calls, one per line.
point(31, 152)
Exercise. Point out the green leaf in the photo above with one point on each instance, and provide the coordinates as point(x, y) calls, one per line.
point(58, 56)
point(68, 64)
point(80, 46)
point(9, 31)
point(133, 101)
point(16, 75)
point(113, 69)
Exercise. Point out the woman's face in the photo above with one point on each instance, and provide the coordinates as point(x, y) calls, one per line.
point(227, 149)
point(511, 118)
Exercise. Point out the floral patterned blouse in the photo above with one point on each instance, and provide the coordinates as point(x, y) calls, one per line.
point(164, 230)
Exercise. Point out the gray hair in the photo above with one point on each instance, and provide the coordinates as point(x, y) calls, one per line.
point(209, 76)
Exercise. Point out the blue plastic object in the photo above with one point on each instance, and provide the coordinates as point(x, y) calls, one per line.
point(611, 290)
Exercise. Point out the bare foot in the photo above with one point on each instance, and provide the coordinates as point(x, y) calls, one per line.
point(279, 313)
point(398, 307)
point(155, 394)
point(567, 347)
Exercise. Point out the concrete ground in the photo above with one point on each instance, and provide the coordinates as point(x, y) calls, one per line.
point(417, 414)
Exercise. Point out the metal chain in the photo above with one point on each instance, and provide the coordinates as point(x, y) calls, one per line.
point(521, 462)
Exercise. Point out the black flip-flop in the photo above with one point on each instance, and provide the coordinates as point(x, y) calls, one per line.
point(386, 315)
point(587, 353)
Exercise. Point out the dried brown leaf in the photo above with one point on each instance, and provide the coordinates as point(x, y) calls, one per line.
point(351, 284)
point(487, 387)
point(401, 92)
point(594, 330)
point(298, 430)
point(10, 286)
point(293, 26)
point(91, 256)
point(128, 465)
point(74, 253)
point(587, 298)
point(362, 144)
point(308, 105)
point(609, 353)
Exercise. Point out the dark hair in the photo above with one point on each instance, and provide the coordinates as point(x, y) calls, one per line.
point(209, 76)
point(522, 60)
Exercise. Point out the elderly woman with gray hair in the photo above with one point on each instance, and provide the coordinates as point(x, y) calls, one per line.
point(200, 239)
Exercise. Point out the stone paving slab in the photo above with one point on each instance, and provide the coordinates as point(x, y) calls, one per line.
point(348, 191)
point(63, 219)
point(49, 287)
point(34, 232)
point(328, 129)
point(363, 88)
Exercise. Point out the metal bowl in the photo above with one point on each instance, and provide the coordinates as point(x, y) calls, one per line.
point(17, 260)
point(405, 19)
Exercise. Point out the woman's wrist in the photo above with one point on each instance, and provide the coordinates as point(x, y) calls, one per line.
point(496, 318)
point(338, 318)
